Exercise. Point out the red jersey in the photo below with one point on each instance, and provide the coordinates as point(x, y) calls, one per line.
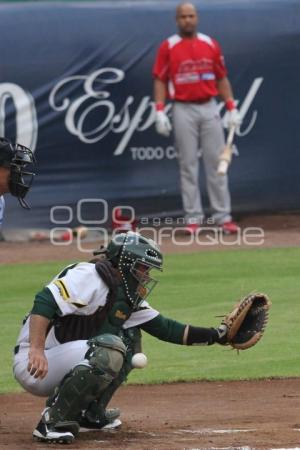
point(191, 66)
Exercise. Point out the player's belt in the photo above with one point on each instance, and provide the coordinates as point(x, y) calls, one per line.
point(16, 349)
point(195, 102)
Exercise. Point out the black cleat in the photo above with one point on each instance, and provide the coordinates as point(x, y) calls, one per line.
point(48, 433)
point(109, 421)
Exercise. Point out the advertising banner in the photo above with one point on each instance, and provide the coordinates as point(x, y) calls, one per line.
point(76, 87)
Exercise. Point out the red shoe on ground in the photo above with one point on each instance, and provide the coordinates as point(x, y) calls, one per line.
point(192, 228)
point(229, 227)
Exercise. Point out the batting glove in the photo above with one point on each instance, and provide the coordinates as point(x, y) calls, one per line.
point(162, 123)
point(234, 118)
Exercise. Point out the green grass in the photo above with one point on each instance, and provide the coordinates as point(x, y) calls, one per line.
point(194, 288)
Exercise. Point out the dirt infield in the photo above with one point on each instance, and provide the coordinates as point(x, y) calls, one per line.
point(185, 416)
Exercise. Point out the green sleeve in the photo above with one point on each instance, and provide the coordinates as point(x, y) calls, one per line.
point(45, 304)
point(165, 329)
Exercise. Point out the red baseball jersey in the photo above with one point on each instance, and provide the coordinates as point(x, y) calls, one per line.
point(190, 66)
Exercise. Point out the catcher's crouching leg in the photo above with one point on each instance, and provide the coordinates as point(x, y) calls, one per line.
point(79, 388)
point(97, 416)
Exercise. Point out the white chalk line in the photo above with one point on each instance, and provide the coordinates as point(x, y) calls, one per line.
point(205, 431)
point(222, 448)
point(240, 448)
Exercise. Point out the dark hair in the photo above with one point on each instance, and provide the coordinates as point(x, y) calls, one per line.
point(109, 275)
point(98, 259)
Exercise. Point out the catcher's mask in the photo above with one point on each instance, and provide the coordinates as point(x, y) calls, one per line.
point(17, 158)
point(134, 256)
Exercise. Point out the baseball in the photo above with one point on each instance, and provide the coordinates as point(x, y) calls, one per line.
point(139, 361)
point(80, 231)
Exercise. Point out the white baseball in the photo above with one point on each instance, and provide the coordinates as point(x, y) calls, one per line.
point(81, 232)
point(139, 361)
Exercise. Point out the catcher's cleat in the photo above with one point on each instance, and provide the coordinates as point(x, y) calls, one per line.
point(109, 421)
point(52, 435)
point(95, 426)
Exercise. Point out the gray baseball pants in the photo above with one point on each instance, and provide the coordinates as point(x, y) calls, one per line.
point(198, 125)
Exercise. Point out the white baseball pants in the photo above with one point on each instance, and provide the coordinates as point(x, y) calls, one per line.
point(61, 359)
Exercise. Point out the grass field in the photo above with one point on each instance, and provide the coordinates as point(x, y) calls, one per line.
point(194, 288)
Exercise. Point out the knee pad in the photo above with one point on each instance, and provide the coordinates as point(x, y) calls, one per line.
point(106, 353)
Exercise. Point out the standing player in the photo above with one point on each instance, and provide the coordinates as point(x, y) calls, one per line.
point(190, 68)
point(76, 346)
point(14, 177)
point(2, 206)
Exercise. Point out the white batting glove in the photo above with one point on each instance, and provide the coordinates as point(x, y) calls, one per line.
point(234, 118)
point(162, 123)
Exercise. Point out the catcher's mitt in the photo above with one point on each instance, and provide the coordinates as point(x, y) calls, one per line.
point(247, 322)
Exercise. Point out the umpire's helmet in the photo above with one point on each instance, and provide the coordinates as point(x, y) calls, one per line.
point(134, 256)
point(17, 157)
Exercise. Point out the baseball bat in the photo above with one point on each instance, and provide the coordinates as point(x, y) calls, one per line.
point(226, 155)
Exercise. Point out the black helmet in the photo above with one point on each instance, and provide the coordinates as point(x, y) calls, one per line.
point(16, 157)
point(134, 256)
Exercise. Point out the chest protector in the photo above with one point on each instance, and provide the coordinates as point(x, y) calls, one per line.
point(107, 319)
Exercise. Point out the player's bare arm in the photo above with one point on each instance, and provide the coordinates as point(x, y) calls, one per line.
point(38, 364)
point(225, 89)
point(160, 91)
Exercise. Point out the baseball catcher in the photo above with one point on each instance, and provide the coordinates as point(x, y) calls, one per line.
point(15, 178)
point(14, 174)
point(82, 336)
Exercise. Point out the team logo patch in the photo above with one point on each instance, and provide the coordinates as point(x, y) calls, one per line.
point(207, 76)
point(120, 315)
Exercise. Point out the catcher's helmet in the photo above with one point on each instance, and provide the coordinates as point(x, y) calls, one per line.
point(134, 256)
point(17, 157)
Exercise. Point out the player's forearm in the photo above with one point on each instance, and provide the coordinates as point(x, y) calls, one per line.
point(160, 91)
point(225, 89)
point(200, 336)
point(37, 331)
point(170, 330)
point(165, 329)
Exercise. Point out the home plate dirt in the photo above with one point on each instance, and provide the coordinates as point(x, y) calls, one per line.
point(244, 415)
